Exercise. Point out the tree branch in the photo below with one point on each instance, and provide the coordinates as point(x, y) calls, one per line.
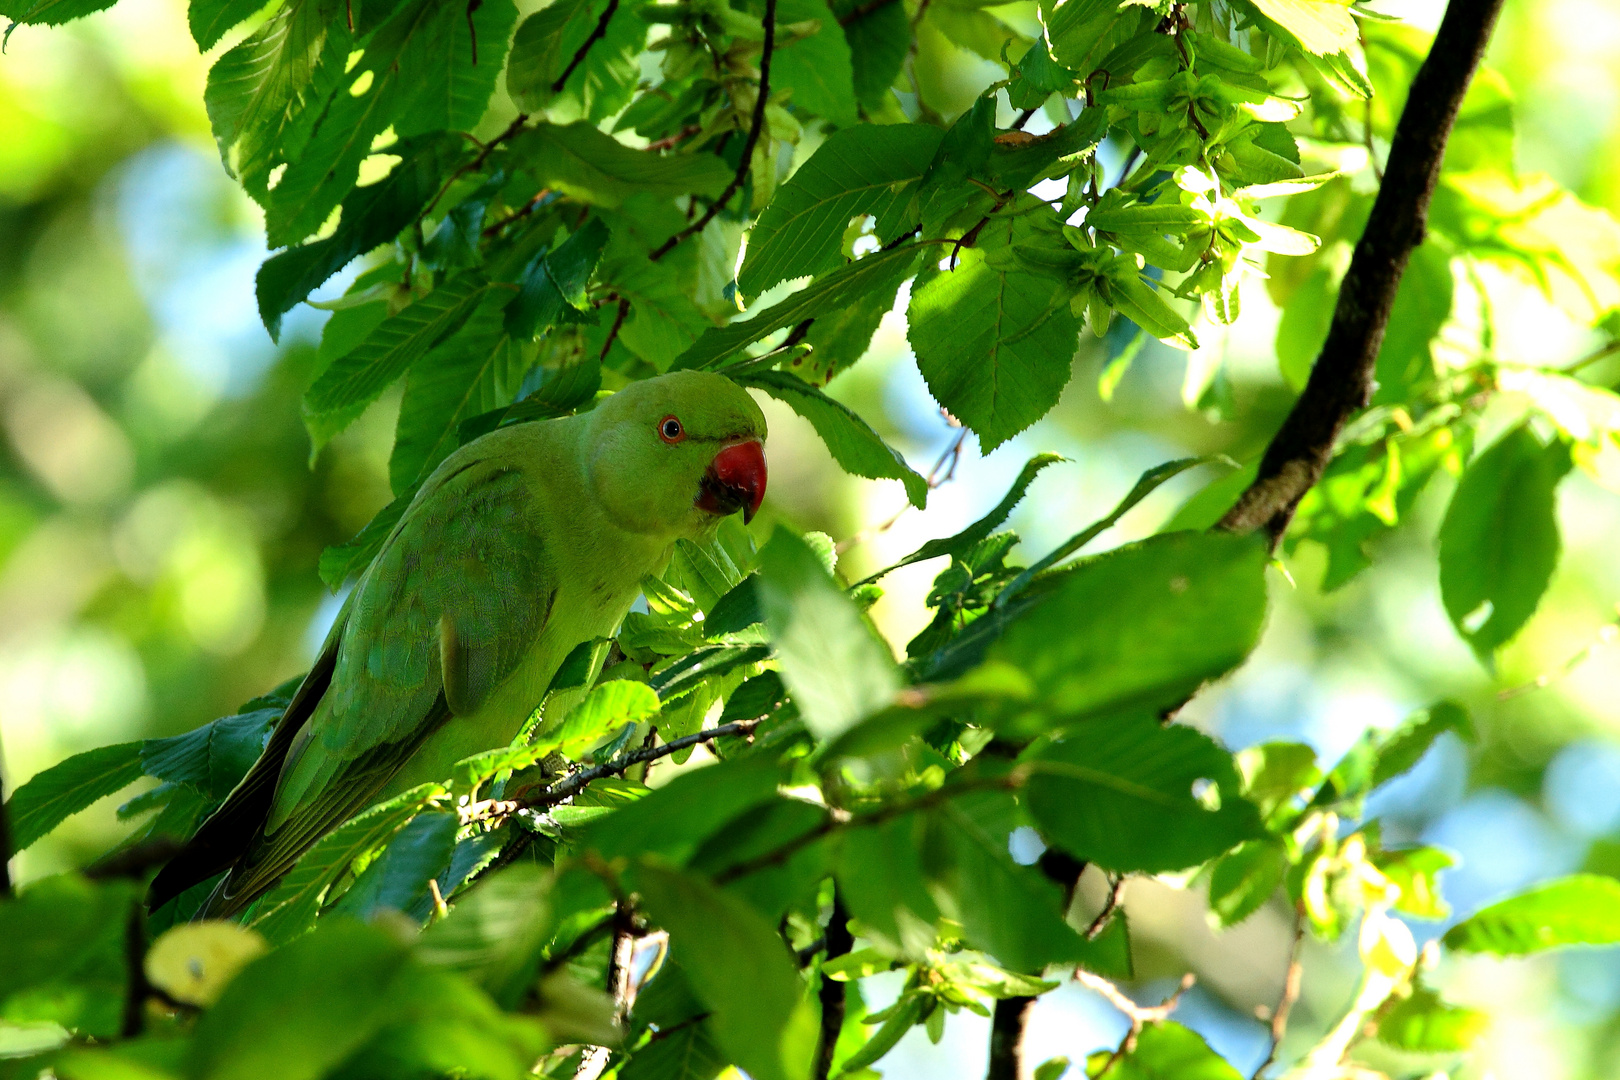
point(831, 992)
point(1290, 994)
point(1341, 381)
point(755, 126)
point(1007, 1038)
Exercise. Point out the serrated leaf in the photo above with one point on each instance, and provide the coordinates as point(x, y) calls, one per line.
point(864, 170)
point(1320, 27)
point(1583, 909)
point(1167, 1051)
point(359, 377)
point(818, 69)
point(851, 441)
point(372, 216)
point(211, 20)
point(1424, 1023)
point(962, 541)
point(829, 292)
point(994, 345)
point(1499, 542)
point(397, 880)
point(288, 909)
point(585, 164)
point(836, 669)
point(1245, 878)
point(1133, 795)
point(739, 966)
point(57, 793)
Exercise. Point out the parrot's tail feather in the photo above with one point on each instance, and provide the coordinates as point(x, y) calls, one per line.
point(232, 829)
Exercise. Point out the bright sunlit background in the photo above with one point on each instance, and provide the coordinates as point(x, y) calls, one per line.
point(160, 524)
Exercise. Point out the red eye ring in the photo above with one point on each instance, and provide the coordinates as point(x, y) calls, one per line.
point(670, 429)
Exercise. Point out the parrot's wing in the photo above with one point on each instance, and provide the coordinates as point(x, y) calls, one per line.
point(458, 595)
point(230, 829)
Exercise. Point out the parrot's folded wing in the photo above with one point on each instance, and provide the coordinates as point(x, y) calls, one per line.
point(464, 579)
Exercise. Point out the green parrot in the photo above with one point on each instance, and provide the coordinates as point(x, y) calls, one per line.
point(522, 544)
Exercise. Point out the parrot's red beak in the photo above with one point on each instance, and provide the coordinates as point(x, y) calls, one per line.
point(735, 480)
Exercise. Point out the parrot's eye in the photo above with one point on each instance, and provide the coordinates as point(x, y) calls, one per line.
point(670, 430)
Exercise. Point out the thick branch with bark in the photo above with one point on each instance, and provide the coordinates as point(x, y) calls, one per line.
point(1341, 381)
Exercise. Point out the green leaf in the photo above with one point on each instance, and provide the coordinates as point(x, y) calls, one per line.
point(1131, 794)
point(818, 69)
point(476, 372)
point(1499, 541)
point(211, 20)
point(495, 934)
point(1320, 27)
point(51, 12)
point(62, 954)
point(1142, 626)
point(852, 442)
point(1012, 912)
point(1425, 1024)
point(905, 1015)
point(1167, 1051)
point(973, 534)
point(585, 164)
point(869, 169)
point(881, 879)
point(289, 909)
point(1083, 32)
point(1245, 878)
point(839, 338)
point(549, 40)
point(264, 95)
point(372, 216)
point(1145, 485)
point(552, 288)
point(739, 966)
point(994, 344)
point(57, 793)
point(1409, 742)
point(879, 39)
point(214, 757)
point(605, 709)
point(1422, 305)
point(829, 292)
point(397, 880)
point(301, 1009)
point(357, 379)
point(685, 1053)
point(339, 564)
point(1583, 909)
point(836, 669)
point(1416, 871)
point(674, 820)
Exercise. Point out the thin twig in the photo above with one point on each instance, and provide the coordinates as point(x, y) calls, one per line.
point(135, 984)
point(569, 786)
point(579, 56)
point(1591, 358)
point(524, 211)
point(1116, 886)
point(1341, 380)
point(1292, 979)
point(618, 324)
point(754, 128)
point(1140, 1016)
point(947, 461)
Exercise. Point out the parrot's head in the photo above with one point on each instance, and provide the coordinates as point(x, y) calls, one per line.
point(676, 453)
